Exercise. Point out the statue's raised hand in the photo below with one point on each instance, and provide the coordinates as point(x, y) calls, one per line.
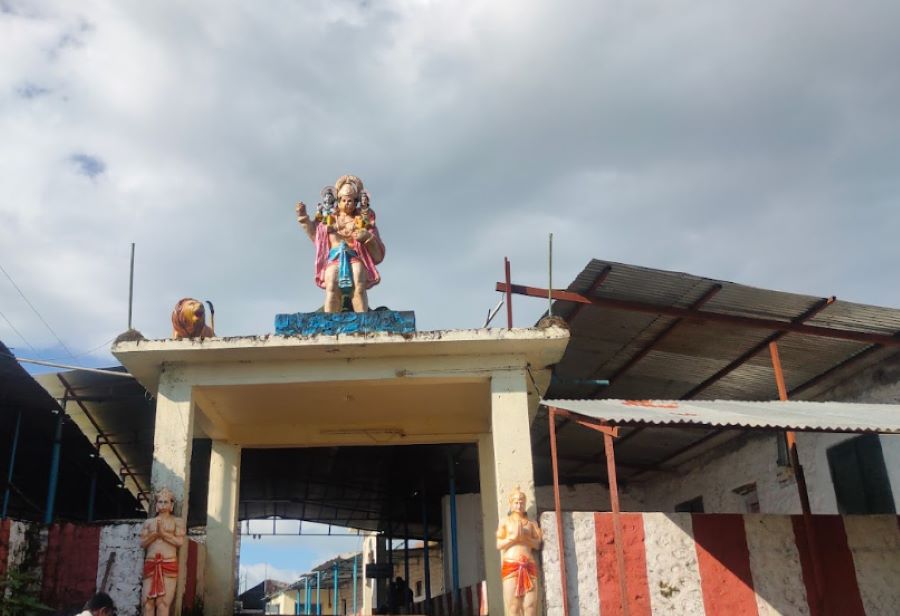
point(301, 210)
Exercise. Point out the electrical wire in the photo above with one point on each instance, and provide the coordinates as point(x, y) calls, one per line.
point(83, 353)
point(52, 364)
point(35, 310)
point(13, 327)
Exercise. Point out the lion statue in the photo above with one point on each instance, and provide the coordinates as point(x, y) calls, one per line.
point(189, 319)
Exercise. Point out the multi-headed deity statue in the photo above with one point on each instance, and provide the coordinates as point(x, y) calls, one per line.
point(161, 537)
point(517, 538)
point(348, 246)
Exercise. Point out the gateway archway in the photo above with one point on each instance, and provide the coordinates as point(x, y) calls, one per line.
point(396, 496)
point(476, 388)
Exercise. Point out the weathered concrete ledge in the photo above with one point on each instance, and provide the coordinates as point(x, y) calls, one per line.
point(331, 323)
point(539, 347)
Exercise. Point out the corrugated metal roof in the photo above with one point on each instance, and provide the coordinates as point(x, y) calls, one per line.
point(774, 415)
point(605, 339)
point(24, 401)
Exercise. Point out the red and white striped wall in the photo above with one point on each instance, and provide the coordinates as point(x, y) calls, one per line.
point(472, 601)
point(73, 561)
point(724, 565)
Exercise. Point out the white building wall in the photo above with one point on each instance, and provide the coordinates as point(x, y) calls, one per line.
point(122, 540)
point(469, 540)
point(753, 459)
point(879, 385)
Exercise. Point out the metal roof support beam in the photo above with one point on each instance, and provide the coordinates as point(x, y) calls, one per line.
point(560, 537)
point(708, 295)
point(837, 368)
point(802, 490)
point(609, 432)
point(716, 317)
point(12, 463)
point(617, 518)
point(100, 433)
point(598, 282)
point(54, 466)
point(809, 313)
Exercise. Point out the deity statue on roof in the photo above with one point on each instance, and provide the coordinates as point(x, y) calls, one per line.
point(347, 243)
point(517, 538)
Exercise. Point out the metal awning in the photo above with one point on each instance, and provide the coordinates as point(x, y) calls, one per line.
point(770, 415)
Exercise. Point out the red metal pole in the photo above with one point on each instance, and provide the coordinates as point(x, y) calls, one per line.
point(508, 293)
point(791, 438)
point(558, 508)
point(617, 519)
point(775, 325)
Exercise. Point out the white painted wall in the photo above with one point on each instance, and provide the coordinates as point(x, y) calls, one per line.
point(124, 581)
point(469, 540)
point(753, 459)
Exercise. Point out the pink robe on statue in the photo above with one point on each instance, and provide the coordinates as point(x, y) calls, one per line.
point(323, 246)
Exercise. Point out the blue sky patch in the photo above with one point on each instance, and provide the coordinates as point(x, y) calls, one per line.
point(88, 165)
point(31, 90)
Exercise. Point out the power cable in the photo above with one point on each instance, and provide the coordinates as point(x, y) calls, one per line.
point(35, 310)
point(13, 327)
point(83, 353)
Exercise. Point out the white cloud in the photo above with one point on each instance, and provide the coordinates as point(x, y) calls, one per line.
point(753, 143)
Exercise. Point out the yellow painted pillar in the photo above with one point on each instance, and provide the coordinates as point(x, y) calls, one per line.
point(511, 467)
point(172, 441)
point(221, 527)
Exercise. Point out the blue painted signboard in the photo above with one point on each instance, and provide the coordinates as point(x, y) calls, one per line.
point(331, 323)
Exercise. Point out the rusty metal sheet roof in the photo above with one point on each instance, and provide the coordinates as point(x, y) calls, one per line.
point(771, 415)
point(606, 341)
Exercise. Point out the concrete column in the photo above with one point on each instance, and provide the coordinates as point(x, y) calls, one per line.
point(512, 466)
point(490, 523)
point(221, 527)
point(381, 585)
point(172, 441)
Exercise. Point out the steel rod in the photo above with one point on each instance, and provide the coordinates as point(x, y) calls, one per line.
point(425, 553)
point(550, 278)
point(509, 315)
point(131, 286)
point(617, 519)
point(560, 538)
point(791, 438)
point(69, 391)
point(355, 575)
point(92, 492)
point(406, 556)
point(12, 463)
point(454, 548)
point(54, 468)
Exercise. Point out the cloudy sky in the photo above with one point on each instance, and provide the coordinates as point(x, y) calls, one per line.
point(755, 142)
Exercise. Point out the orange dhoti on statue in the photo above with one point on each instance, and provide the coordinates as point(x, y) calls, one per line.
point(525, 572)
point(157, 569)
